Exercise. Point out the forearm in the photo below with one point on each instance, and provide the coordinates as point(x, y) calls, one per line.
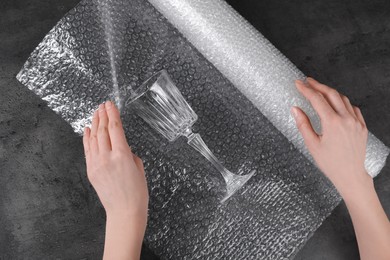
point(124, 235)
point(372, 227)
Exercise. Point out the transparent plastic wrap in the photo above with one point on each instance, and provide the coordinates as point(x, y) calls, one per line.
point(255, 67)
point(103, 49)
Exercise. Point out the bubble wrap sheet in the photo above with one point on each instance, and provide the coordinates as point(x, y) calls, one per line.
point(263, 74)
point(103, 48)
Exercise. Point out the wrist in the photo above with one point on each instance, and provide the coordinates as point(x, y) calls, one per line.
point(126, 224)
point(127, 216)
point(124, 235)
point(357, 187)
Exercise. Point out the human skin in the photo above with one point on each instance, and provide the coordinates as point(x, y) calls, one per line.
point(119, 180)
point(339, 151)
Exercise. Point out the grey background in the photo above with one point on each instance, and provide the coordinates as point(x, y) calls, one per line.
point(342, 43)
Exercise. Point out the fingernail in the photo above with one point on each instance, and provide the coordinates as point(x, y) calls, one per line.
point(101, 107)
point(294, 112)
point(108, 104)
point(299, 82)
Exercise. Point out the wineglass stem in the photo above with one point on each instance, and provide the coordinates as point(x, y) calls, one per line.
point(196, 142)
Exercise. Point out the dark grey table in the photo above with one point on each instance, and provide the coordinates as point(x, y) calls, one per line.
point(42, 173)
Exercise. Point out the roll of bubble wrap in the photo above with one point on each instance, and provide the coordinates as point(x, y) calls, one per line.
point(255, 67)
point(103, 48)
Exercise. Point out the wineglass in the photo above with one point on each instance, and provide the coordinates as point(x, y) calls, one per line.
point(159, 102)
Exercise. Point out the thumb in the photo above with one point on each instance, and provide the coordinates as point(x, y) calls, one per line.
point(310, 137)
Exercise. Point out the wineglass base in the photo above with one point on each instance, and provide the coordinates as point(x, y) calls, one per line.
point(235, 183)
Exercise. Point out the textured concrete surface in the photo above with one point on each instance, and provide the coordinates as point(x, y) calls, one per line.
point(43, 183)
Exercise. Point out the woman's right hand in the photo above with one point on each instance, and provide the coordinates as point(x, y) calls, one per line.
point(340, 149)
point(340, 152)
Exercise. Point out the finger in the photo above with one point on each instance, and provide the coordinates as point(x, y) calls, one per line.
point(333, 97)
point(348, 105)
point(86, 137)
point(305, 128)
point(316, 99)
point(359, 115)
point(103, 136)
point(115, 128)
point(139, 163)
point(93, 142)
